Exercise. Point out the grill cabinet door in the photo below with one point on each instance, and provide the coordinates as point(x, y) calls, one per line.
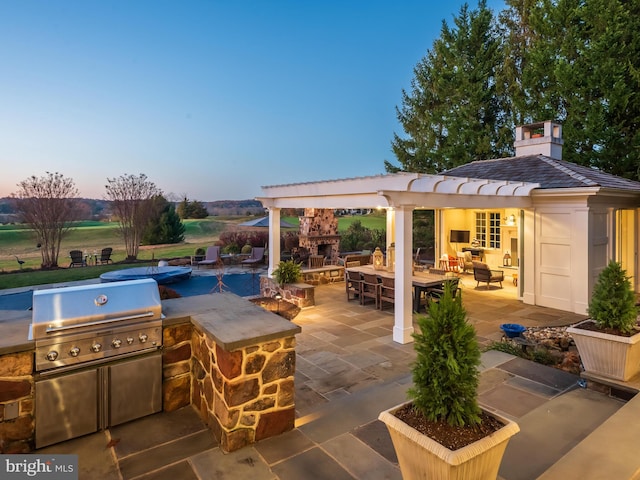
point(135, 388)
point(66, 407)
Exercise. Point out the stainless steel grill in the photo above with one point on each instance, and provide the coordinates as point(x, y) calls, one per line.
point(97, 357)
point(74, 325)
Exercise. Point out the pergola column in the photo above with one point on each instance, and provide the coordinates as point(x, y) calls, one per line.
point(403, 310)
point(274, 239)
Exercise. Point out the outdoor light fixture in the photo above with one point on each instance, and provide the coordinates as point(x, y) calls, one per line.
point(391, 257)
point(510, 221)
point(506, 260)
point(378, 259)
point(278, 297)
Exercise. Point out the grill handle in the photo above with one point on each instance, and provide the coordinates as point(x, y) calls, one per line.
point(99, 322)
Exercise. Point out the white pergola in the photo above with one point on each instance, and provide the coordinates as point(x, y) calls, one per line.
point(399, 194)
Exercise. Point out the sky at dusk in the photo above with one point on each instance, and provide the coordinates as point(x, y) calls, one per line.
point(209, 99)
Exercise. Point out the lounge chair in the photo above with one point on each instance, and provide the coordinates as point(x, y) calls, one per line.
point(212, 257)
point(105, 256)
point(256, 257)
point(482, 273)
point(77, 259)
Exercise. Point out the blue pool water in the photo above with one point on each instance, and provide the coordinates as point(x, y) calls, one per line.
point(242, 284)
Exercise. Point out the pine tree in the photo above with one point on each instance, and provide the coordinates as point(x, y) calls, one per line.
point(454, 113)
point(445, 373)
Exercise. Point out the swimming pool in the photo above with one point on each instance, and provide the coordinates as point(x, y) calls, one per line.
point(242, 284)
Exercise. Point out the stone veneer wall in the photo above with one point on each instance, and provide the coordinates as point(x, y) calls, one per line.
point(300, 294)
point(176, 366)
point(17, 435)
point(244, 395)
point(319, 226)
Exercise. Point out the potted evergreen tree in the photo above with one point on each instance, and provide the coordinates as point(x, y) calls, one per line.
point(442, 432)
point(609, 340)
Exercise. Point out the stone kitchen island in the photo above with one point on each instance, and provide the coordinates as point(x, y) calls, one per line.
point(233, 361)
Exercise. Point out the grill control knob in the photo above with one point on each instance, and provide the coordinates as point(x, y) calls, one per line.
point(129, 340)
point(74, 352)
point(143, 337)
point(116, 343)
point(96, 347)
point(52, 355)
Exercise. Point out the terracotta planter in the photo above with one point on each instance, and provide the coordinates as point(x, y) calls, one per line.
point(421, 457)
point(607, 355)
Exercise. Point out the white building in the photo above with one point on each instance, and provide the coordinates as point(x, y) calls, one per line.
point(561, 223)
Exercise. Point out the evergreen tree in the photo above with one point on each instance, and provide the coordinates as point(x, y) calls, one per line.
point(165, 226)
point(573, 61)
point(454, 113)
point(445, 373)
point(194, 209)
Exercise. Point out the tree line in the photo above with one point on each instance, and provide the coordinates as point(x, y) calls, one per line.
point(49, 204)
point(576, 62)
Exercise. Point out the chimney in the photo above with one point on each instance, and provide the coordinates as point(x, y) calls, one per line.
point(542, 138)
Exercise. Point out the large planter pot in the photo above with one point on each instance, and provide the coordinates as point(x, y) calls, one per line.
point(421, 457)
point(607, 355)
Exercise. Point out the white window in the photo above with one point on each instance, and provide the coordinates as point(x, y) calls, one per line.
point(488, 229)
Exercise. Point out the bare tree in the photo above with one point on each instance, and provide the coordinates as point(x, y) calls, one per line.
point(132, 202)
point(48, 205)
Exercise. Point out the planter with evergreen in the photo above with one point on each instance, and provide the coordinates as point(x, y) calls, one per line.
point(442, 432)
point(609, 340)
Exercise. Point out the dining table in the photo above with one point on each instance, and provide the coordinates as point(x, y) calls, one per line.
point(421, 281)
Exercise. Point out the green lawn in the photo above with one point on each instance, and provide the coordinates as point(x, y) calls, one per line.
point(16, 240)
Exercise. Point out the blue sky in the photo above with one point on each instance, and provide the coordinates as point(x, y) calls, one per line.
point(211, 99)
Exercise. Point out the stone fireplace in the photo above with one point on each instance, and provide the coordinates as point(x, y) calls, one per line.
point(319, 232)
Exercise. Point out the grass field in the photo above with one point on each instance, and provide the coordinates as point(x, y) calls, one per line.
point(16, 240)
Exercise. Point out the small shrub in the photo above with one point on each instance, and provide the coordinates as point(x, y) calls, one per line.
point(287, 272)
point(246, 249)
point(613, 302)
point(445, 373)
point(231, 248)
point(200, 251)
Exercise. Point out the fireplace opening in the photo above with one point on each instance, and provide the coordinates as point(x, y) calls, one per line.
point(326, 250)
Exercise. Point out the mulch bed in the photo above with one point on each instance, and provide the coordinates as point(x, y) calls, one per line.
point(446, 435)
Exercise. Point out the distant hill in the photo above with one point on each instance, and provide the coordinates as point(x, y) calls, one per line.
point(92, 209)
point(234, 207)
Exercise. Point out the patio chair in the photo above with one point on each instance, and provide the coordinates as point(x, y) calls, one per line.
point(105, 256)
point(256, 257)
point(482, 273)
point(212, 257)
point(316, 261)
point(370, 288)
point(353, 284)
point(465, 261)
point(77, 259)
point(435, 294)
point(387, 291)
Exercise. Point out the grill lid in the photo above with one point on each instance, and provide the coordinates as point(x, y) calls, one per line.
point(59, 309)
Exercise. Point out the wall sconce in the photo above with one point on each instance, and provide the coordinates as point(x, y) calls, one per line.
point(510, 221)
point(378, 259)
point(391, 257)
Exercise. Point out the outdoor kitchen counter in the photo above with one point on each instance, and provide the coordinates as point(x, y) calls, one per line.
point(232, 321)
point(219, 314)
point(14, 325)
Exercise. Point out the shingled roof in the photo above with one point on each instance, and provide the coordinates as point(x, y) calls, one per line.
point(546, 171)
